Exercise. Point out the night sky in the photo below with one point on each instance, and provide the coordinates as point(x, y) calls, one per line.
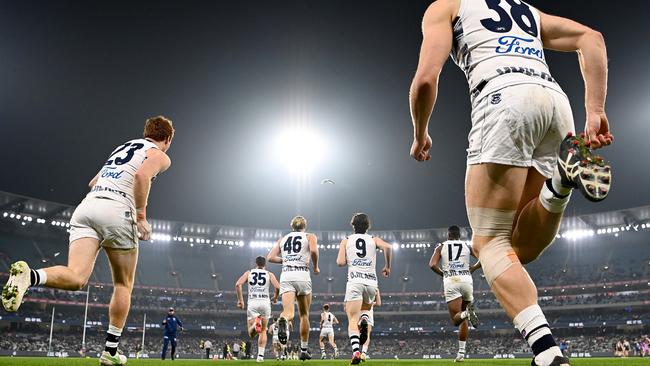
point(78, 78)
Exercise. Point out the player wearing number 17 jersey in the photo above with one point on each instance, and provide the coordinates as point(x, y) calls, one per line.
point(294, 252)
point(523, 158)
point(113, 217)
point(359, 252)
point(451, 260)
point(259, 302)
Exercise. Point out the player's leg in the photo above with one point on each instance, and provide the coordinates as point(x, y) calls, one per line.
point(304, 304)
point(366, 345)
point(165, 347)
point(251, 327)
point(353, 311)
point(123, 265)
point(330, 339)
point(321, 343)
point(81, 260)
point(262, 339)
point(288, 313)
point(173, 351)
point(492, 197)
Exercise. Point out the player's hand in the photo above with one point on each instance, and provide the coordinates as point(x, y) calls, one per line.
point(421, 149)
point(386, 272)
point(597, 129)
point(144, 229)
point(240, 304)
point(316, 271)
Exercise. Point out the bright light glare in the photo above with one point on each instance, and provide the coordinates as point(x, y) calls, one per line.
point(299, 149)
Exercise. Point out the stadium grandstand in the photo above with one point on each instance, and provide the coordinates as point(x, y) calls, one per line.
point(593, 284)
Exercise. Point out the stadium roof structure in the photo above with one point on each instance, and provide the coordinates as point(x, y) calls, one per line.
point(32, 211)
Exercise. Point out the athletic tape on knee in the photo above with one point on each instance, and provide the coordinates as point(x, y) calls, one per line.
point(497, 255)
point(491, 221)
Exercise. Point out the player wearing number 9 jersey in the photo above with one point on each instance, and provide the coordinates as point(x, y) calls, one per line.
point(294, 252)
point(259, 302)
point(359, 252)
point(523, 159)
point(112, 216)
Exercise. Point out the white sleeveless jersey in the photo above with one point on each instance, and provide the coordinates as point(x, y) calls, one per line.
point(361, 254)
point(455, 256)
point(259, 283)
point(497, 43)
point(117, 178)
point(295, 253)
point(328, 319)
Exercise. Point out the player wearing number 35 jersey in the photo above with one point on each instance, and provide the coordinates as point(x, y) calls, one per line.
point(524, 158)
point(113, 217)
point(294, 251)
point(359, 252)
point(259, 301)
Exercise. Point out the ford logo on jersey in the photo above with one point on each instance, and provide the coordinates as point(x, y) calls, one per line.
point(111, 172)
point(291, 257)
point(362, 262)
point(512, 44)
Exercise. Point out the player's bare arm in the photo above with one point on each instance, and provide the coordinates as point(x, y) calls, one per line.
point(563, 34)
point(436, 44)
point(435, 259)
point(387, 249)
point(335, 320)
point(274, 254)
point(341, 259)
point(378, 298)
point(476, 265)
point(313, 250)
point(238, 287)
point(93, 181)
point(156, 163)
point(276, 285)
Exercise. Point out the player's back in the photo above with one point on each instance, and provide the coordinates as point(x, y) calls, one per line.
point(455, 258)
point(258, 285)
point(328, 320)
point(295, 253)
point(116, 179)
point(498, 43)
point(361, 254)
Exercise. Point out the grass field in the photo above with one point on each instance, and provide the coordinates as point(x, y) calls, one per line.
point(520, 362)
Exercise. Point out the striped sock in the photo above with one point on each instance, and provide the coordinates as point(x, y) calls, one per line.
point(354, 342)
point(37, 277)
point(113, 336)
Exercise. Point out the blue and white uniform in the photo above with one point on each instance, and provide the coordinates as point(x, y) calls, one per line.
point(519, 112)
point(361, 256)
point(259, 301)
point(108, 211)
point(171, 323)
point(455, 256)
point(296, 256)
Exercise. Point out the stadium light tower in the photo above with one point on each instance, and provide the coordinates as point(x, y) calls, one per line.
point(299, 149)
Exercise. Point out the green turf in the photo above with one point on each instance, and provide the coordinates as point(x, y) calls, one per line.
point(520, 362)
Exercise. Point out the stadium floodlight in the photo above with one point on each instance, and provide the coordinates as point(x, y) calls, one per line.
point(5, 214)
point(299, 149)
point(395, 246)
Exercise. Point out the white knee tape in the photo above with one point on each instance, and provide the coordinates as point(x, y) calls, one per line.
point(491, 221)
point(497, 255)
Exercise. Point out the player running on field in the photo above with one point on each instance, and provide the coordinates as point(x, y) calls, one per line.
point(521, 171)
point(294, 252)
point(359, 252)
point(451, 260)
point(327, 323)
point(259, 302)
point(112, 216)
point(275, 343)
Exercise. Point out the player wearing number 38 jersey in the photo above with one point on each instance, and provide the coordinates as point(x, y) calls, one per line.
point(259, 301)
point(524, 158)
point(359, 252)
point(113, 217)
point(294, 251)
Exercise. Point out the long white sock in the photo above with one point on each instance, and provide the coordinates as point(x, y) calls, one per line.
point(552, 201)
point(533, 326)
point(461, 347)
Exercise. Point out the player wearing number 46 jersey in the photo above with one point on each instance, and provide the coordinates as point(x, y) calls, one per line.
point(451, 260)
point(112, 216)
point(294, 252)
point(359, 252)
point(259, 301)
point(523, 159)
